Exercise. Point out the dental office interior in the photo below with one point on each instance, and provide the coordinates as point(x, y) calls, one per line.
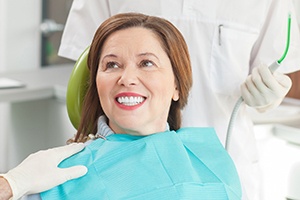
point(33, 112)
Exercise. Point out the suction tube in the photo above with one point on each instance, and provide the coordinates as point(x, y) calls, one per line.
point(272, 68)
point(287, 40)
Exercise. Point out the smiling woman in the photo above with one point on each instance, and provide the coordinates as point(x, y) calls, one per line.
point(136, 56)
point(136, 79)
point(140, 77)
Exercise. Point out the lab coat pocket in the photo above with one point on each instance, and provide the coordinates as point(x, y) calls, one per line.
point(230, 58)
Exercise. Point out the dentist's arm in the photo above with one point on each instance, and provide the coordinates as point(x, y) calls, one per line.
point(39, 172)
point(264, 90)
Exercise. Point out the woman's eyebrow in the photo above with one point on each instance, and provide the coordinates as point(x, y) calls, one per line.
point(148, 54)
point(109, 56)
point(139, 55)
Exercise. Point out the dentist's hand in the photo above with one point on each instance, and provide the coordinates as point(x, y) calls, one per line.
point(264, 90)
point(39, 171)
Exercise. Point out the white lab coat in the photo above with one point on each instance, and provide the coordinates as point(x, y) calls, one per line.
point(226, 40)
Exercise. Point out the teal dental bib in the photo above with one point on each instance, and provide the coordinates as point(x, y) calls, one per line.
point(188, 164)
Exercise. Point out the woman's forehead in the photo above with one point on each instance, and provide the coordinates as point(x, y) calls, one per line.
point(137, 39)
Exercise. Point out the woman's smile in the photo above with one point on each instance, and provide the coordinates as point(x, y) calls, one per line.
point(129, 100)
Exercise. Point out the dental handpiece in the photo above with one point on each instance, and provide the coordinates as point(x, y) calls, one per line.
point(273, 67)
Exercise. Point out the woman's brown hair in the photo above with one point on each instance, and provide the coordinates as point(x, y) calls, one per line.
point(172, 42)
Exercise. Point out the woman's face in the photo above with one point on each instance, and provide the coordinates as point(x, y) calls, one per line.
point(135, 82)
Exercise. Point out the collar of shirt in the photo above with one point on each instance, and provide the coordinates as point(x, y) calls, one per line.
point(104, 130)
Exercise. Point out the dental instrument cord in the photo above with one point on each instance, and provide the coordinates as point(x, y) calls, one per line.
point(272, 68)
point(287, 40)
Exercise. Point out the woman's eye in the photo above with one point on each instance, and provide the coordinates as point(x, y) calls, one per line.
point(112, 65)
point(147, 63)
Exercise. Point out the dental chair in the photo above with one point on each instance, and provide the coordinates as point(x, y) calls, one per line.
point(77, 87)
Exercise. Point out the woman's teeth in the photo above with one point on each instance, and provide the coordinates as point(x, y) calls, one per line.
point(130, 101)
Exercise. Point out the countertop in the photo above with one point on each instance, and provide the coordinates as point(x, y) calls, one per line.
point(42, 83)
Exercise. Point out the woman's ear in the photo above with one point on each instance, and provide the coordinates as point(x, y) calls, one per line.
point(175, 96)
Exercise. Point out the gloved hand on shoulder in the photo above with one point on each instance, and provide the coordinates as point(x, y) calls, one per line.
point(40, 172)
point(264, 90)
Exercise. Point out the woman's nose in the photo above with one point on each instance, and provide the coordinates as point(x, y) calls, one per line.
point(129, 77)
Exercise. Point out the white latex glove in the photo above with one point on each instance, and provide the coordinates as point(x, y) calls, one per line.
point(264, 90)
point(39, 171)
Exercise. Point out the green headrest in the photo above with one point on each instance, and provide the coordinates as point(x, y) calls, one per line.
point(77, 87)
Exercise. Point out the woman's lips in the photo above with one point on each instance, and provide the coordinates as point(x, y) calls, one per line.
point(130, 100)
